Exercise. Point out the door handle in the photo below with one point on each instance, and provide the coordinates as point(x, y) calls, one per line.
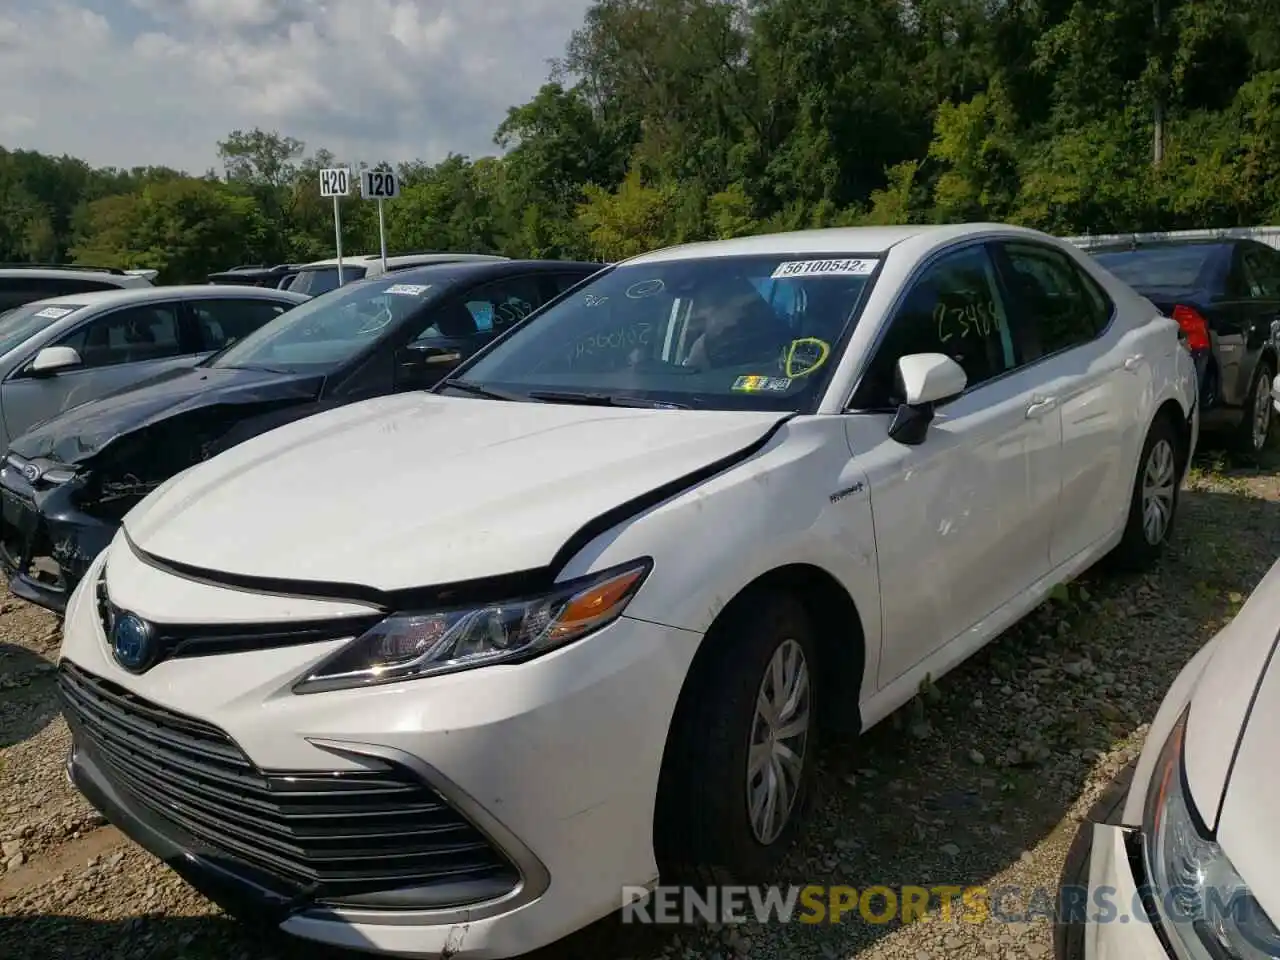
point(1040, 406)
point(1132, 364)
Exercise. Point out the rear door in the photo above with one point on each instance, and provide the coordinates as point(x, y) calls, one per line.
point(117, 349)
point(1095, 371)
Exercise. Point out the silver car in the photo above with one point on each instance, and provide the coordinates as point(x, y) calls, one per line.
point(65, 351)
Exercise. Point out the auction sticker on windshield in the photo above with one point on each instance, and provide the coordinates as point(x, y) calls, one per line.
point(54, 313)
point(825, 268)
point(762, 384)
point(409, 289)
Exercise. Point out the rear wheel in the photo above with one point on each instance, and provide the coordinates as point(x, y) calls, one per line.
point(741, 756)
point(1255, 424)
point(1153, 504)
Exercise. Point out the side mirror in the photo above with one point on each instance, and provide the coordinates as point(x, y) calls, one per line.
point(51, 360)
point(926, 379)
point(423, 364)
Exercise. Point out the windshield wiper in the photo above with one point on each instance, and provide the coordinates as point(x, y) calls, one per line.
point(256, 368)
point(603, 400)
point(466, 386)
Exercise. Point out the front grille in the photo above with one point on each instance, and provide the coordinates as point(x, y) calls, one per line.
point(340, 835)
point(177, 640)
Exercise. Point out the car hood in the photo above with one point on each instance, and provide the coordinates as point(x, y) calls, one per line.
point(417, 490)
point(81, 433)
point(1233, 732)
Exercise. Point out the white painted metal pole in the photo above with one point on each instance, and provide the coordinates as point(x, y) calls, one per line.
point(382, 234)
point(337, 235)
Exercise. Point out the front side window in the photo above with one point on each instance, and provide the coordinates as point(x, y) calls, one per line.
point(759, 332)
point(1059, 305)
point(132, 335)
point(222, 321)
point(320, 334)
point(953, 308)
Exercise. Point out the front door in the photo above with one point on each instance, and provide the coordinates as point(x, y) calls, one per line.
point(462, 325)
point(116, 349)
point(963, 520)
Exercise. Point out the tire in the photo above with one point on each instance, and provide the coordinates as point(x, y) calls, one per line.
point(703, 825)
point(1254, 429)
point(1159, 469)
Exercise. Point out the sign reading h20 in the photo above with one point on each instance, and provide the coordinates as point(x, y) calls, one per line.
point(335, 182)
point(379, 185)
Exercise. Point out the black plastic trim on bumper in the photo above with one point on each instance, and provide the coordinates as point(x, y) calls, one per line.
point(27, 589)
point(229, 887)
point(244, 891)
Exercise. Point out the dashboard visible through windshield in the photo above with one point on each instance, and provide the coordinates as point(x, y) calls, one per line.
point(720, 333)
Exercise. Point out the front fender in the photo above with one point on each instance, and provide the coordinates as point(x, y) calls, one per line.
point(800, 501)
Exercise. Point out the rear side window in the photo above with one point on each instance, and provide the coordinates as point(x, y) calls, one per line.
point(1260, 268)
point(323, 279)
point(1180, 267)
point(1059, 306)
point(223, 321)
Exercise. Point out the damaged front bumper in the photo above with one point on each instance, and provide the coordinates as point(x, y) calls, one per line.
point(47, 542)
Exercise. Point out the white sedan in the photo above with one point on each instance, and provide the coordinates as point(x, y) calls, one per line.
point(448, 672)
point(1190, 865)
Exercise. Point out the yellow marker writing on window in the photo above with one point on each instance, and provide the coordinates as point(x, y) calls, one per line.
point(805, 356)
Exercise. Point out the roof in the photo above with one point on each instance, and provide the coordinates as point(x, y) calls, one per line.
point(147, 294)
point(361, 259)
point(482, 269)
point(37, 272)
point(831, 240)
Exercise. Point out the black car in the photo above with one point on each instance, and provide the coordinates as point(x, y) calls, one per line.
point(1225, 295)
point(67, 483)
point(258, 275)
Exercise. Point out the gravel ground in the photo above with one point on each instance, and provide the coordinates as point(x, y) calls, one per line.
point(984, 779)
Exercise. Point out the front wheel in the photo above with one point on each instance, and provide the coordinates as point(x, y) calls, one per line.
point(1153, 504)
point(740, 758)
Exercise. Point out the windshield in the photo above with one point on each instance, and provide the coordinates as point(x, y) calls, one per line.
point(317, 280)
point(22, 323)
point(1179, 266)
point(318, 335)
point(719, 333)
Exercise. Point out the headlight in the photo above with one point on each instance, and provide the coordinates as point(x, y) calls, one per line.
point(1207, 909)
point(412, 645)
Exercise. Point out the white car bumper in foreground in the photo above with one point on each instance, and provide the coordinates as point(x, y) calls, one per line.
point(549, 767)
point(1117, 926)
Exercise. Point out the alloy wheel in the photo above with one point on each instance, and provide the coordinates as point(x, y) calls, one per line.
point(779, 737)
point(1158, 488)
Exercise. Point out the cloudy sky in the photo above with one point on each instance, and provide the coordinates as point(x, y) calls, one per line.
point(142, 82)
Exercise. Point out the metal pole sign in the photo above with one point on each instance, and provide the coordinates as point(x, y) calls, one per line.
point(380, 185)
point(336, 182)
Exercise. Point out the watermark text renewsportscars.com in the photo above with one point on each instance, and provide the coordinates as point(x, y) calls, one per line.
point(822, 904)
